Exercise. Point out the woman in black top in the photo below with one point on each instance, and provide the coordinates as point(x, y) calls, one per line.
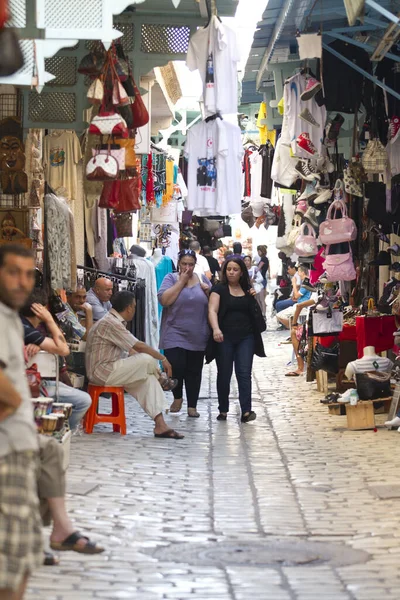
point(236, 333)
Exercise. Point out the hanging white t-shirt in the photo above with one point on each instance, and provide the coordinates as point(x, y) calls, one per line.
point(213, 50)
point(294, 105)
point(61, 155)
point(230, 186)
point(203, 147)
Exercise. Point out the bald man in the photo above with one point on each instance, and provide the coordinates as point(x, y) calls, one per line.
point(99, 297)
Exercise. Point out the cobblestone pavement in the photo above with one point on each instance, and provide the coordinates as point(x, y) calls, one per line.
point(228, 512)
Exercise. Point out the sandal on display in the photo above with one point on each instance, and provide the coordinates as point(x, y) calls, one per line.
point(71, 544)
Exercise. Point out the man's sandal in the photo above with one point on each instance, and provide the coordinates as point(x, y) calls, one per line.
point(71, 544)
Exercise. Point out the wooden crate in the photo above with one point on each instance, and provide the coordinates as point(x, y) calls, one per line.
point(360, 416)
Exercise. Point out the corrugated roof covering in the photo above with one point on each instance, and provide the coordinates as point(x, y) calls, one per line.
point(275, 37)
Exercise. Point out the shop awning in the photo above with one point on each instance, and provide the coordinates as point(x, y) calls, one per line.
point(376, 30)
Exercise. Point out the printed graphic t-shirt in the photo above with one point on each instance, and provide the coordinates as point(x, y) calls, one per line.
point(61, 154)
point(203, 147)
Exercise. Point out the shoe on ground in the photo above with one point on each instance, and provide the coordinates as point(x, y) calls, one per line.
point(250, 417)
point(313, 86)
point(304, 142)
point(307, 116)
point(393, 423)
point(306, 171)
point(288, 341)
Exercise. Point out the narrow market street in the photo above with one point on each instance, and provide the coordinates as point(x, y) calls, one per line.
point(284, 508)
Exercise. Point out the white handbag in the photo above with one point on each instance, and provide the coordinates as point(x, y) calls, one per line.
point(327, 323)
point(167, 214)
point(306, 245)
point(102, 167)
point(95, 92)
point(119, 97)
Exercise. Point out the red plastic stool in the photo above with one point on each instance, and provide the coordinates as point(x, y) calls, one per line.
point(117, 415)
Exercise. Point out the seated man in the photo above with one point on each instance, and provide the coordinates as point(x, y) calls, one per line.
point(99, 297)
point(75, 323)
point(51, 492)
point(304, 294)
point(78, 310)
point(115, 357)
point(32, 315)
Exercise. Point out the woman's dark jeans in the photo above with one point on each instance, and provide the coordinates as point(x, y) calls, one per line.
point(187, 367)
point(241, 355)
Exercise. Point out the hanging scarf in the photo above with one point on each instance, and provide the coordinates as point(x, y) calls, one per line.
point(150, 197)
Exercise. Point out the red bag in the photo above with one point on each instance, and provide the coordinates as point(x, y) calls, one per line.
point(139, 110)
point(34, 380)
point(110, 194)
point(128, 195)
point(375, 331)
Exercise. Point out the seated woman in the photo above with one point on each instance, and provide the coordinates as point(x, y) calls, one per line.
point(295, 334)
point(296, 283)
point(304, 294)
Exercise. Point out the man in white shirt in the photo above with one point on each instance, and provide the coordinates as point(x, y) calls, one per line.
point(202, 267)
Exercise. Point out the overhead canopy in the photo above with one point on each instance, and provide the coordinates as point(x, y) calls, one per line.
point(376, 29)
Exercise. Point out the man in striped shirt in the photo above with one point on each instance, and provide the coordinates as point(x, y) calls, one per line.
point(114, 357)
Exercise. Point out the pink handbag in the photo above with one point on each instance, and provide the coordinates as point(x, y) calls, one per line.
point(306, 245)
point(339, 267)
point(335, 231)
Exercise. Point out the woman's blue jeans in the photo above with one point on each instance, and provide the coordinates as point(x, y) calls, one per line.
point(241, 355)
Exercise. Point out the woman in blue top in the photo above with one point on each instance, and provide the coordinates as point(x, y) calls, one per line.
point(184, 328)
point(304, 294)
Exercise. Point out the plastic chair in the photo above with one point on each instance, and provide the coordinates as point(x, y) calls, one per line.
point(117, 415)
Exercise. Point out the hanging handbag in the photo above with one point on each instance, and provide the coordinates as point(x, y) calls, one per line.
point(326, 359)
point(11, 57)
point(259, 319)
point(91, 64)
point(108, 123)
point(335, 231)
point(351, 185)
point(110, 194)
point(95, 93)
point(247, 216)
point(128, 195)
point(306, 245)
point(34, 200)
point(123, 224)
point(126, 114)
point(373, 385)
point(339, 267)
point(117, 153)
point(119, 95)
point(130, 154)
point(375, 158)
point(327, 323)
point(211, 225)
point(102, 167)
